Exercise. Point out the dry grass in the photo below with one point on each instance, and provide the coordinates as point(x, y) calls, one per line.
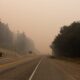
point(74, 60)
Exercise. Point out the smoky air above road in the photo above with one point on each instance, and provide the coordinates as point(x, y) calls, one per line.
point(41, 20)
point(39, 40)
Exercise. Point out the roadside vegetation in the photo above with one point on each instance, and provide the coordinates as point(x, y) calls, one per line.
point(16, 42)
point(67, 42)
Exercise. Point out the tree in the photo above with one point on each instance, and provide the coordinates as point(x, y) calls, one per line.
point(67, 43)
point(6, 36)
point(23, 44)
point(20, 43)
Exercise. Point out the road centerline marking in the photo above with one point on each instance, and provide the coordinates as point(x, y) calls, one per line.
point(33, 73)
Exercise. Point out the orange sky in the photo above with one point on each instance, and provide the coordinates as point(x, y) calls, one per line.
point(39, 19)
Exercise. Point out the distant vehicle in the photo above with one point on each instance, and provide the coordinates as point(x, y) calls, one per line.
point(1, 53)
point(30, 52)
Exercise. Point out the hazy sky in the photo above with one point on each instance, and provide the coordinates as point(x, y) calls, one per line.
point(39, 19)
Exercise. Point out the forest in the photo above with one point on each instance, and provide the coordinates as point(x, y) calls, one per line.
point(67, 42)
point(18, 42)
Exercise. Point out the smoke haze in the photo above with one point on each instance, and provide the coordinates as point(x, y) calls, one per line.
point(39, 19)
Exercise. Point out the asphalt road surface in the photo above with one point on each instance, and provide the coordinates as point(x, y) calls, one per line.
point(40, 68)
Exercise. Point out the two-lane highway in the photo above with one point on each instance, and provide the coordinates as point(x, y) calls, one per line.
point(42, 68)
point(53, 69)
point(20, 70)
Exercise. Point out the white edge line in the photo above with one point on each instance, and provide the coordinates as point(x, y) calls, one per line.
point(30, 78)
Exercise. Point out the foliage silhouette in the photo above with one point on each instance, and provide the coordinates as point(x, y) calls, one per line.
point(67, 43)
point(6, 36)
point(18, 42)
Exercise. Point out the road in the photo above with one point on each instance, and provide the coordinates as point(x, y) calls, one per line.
point(41, 68)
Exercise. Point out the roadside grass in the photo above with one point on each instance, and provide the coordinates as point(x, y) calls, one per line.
point(74, 60)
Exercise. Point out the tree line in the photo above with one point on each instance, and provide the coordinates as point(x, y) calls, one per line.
point(18, 42)
point(67, 42)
